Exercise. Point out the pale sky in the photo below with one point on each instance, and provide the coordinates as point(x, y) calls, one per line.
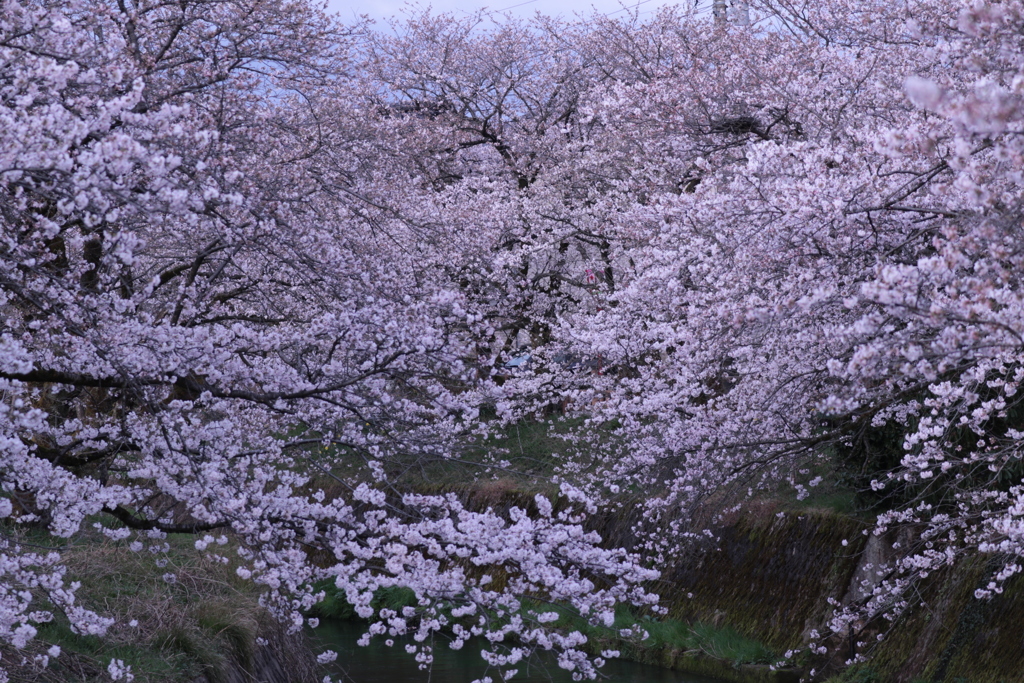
point(382, 9)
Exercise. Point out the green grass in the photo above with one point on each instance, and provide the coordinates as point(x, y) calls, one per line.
point(533, 446)
point(526, 452)
point(727, 644)
point(834, 493)
point(719, 642)
point(859, 673)
point(335, 606)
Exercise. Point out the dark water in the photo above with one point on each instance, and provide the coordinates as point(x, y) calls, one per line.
point(379, 663)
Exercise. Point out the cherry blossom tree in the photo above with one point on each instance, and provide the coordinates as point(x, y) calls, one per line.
point(205, 313)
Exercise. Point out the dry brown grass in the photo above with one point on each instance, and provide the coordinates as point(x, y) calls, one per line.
point(204, 624)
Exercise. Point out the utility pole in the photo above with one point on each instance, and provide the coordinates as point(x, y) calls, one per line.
point(740, 14)
point(719, 9)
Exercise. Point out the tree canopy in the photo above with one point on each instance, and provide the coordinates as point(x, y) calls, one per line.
point(247, 250)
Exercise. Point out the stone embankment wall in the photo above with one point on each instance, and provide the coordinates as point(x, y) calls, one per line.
point(771, 574)
point(771, 578)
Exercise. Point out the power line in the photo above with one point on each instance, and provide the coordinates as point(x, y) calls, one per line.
point(528, 2)
point(626, 9)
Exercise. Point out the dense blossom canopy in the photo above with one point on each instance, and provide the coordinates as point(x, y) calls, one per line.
point(246, 252)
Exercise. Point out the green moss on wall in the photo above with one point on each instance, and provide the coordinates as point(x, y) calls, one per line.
point(770, 577)
point(952, 637)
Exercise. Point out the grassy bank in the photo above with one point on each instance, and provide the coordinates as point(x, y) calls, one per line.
point(177, 617)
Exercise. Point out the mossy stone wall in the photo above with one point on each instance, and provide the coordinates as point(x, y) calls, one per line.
point(770, 576)
point(952, 637)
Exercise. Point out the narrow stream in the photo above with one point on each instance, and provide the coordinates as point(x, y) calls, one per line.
point(379, 663)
